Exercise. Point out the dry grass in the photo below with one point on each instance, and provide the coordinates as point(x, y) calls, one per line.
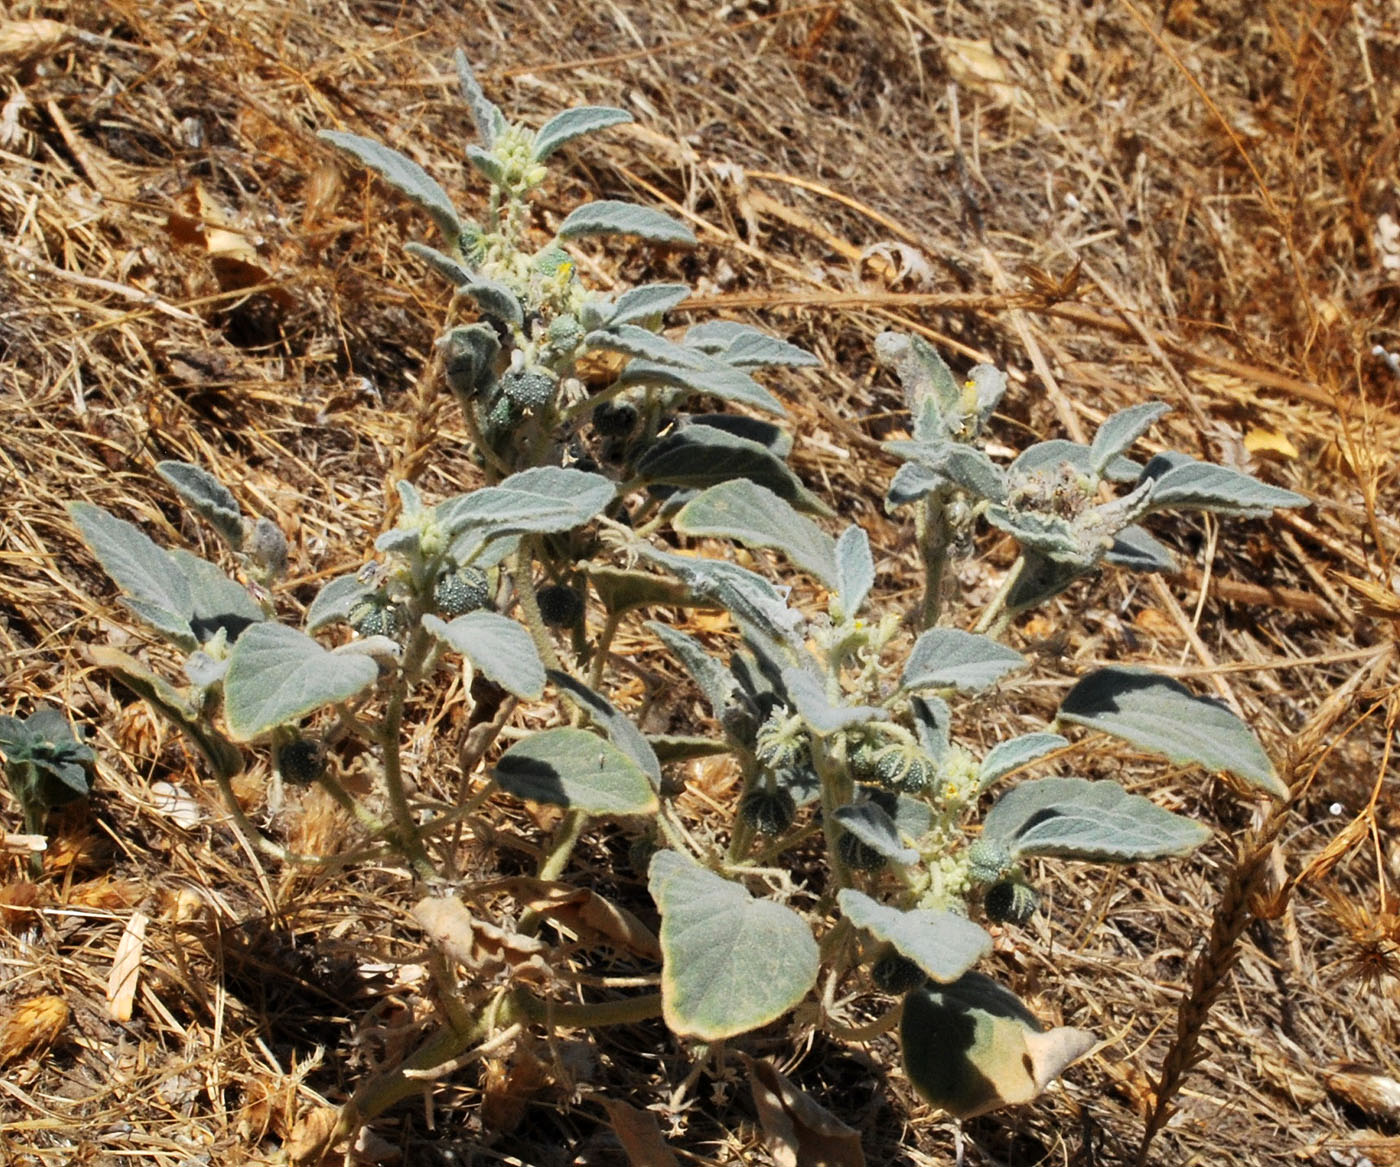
point(1187, 203)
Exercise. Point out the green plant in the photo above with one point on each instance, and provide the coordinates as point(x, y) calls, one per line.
point(528, 578)
point(45, 766)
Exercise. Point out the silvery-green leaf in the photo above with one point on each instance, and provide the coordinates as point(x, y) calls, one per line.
point(497, 646)
point(487, 165)
point(455, 273)
point(949, 658)
point(682, 747)
point(1016, 752)
point(542, 500)
point(617, 725)
point(399, 540)
point(1050, 535)
point(219, 603)
point(142, 570)
point(803, 783)
point(699, 456)
point(203, 670)
point(1121, 430)
point(610, 217)
point(756, 517)
point(172, 704)
point(731, 963)
point(745, 347)
point(1049, 455)
point(495, 300)
point(207, 497)
point(957, 463)
point(855, 569)
point(1073, 818)
point(277, 675)
point(1206, 487)
point(988, 386)
point(873, 827)
point(634, 341)
point(575, 769)
point(490, 122)
point(1136, 550)
point(933, 722)
point(912, 816)
point(822, 716)
point(574, 123)
point(912, 482)
point(403, 174)
point(621, 590)
point(646, 301)
point(469, 355)
point(943, 944)
point(714, 680)
point(765, 433)
point(1162, 715)
point(931, 391)
point(169, 625)
point(1041, 579)
point(336, 601)
point(716, 380)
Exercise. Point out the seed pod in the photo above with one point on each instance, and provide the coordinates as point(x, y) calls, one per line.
point(782, 742)
point(988, 862)
point(375, 616)
point(769, 812)
point(896, 974)
point(857, 855)
point(531, 387)
point(1010, 902)
point(461, 591)
point(615, 419)
point(904, 767)
point(301, 761)
point(560, 605)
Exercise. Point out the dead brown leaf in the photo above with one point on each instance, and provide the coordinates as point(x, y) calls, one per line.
point(800, 1132)
point(640, 1135)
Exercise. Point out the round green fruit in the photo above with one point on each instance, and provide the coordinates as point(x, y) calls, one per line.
point(461, 591)
point(769, 812)
point(560, 605)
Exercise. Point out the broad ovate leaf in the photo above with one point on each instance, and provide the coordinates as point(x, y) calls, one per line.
point(497, 646)
point(207, 497)
point(949, 658)
point(715, 379)
point(1185, 484)
point(336, 600)
point(542, 500)
point(855, 570)
point(634, 341)
point(574, 123)
point(404, 175)
point(277, 675)
point(1074, 818)
point(646, 301)
point(1162, 715)
point(1121, 430)
point(700, 456)
point(578, 770)
point(610, 217)
point(972, 1046)
point(822, 715)
point(943, 944)
point(869, 823)
point(745, 347)
point(753, 515)
point(617, 725)
point(1014, 753)
point(731, 962)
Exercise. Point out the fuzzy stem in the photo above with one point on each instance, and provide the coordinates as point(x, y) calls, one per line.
point(523, 576)
point(591, 1015)
point(934, 536)
point(390, 734)
point(995, 616)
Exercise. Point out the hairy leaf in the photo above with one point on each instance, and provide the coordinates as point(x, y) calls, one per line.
point(731, 962)
point(574, 123)
point(634, 341)
point(336, 601)
point(490, 122)
point(1074, 818)
point(855, 569)
point(646, 301)
point(616, 724)
point(745, 347)
point(404, 175)
point(869, 823)
point(207, 497)
point(943, 944)
point(497, 646)
point(1121, 430)
point(701, 456)
point(576, 769)
point(1186, 484)
point(1136, 550)
point(949, 658)
point(823, 717)
point(277, 675)
point(1162, 715)
point(715, 379)
point(1016, 752)
point(756, 517)
point(610, 217)
point(715, 681)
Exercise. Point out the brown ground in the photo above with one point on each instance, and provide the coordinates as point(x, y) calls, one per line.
point(1196, 203)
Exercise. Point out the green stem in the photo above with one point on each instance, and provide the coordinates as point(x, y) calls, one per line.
point(591, 1015)
point(522, 573)
point(406, 829)
point(995, 616)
